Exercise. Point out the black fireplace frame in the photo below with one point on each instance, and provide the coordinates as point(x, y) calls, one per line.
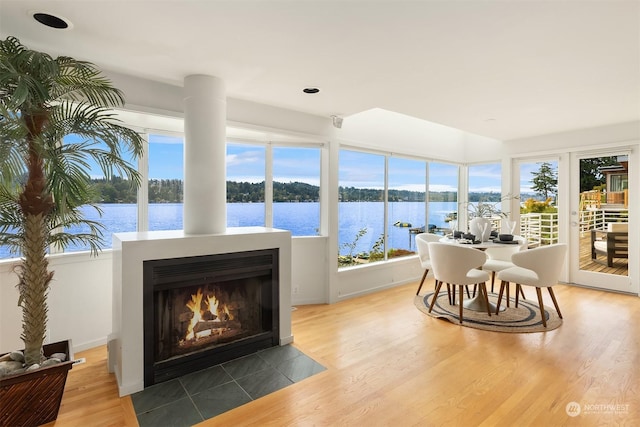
point(164, 274)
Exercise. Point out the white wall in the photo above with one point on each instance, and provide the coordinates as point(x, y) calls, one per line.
point(161, 98)
point(309, 270)
point(79, 302)
point(577, 140)
point(396, 133)
point(478, 149)
point(362, 280)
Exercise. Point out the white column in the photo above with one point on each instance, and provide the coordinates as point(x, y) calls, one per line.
point(205, 190)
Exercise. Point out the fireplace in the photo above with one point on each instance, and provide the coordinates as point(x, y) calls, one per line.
point(200, 311)
point(131, 252)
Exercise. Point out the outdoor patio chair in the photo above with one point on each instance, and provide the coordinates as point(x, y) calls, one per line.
point(613, 243)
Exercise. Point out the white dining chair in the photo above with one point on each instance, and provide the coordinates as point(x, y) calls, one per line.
point(539, 267)
point(422, 244)
point(458, 265)
point(498, 259)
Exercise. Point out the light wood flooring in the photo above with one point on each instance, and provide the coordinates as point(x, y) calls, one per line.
point(390, 364)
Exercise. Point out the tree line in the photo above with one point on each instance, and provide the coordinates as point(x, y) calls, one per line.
point(118, 190)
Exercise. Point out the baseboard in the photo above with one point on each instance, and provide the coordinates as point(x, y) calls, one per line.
point(89, 345)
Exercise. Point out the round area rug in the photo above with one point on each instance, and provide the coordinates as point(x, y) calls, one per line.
point(525, 318)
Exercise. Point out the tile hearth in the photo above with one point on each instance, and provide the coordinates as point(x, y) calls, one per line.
point(204, 394)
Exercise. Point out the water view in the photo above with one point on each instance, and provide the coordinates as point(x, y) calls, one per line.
point(302, 219)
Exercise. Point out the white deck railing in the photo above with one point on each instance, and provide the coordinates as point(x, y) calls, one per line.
point(597, 219)
point(539, 228)
point(542, 228)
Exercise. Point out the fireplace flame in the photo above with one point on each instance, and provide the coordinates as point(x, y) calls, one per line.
point(222, 313)
point(194, 306)
point(219, 314)
point(212, 303)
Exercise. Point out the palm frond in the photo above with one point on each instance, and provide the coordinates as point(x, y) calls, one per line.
point(101, 127)
point(68, 179)
point(83, 81)
point(12, 151)
point(11, 221)
point(60, 223)
point(25, 75)
point(12, 164)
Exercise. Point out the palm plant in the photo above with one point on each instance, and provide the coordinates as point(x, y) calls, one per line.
point(43, 183)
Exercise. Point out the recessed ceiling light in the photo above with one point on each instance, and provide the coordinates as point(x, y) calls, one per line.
point(490, 119)
point(51, 20)
point(311, 90)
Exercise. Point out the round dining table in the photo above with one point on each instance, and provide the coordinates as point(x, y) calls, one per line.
point(477, 303)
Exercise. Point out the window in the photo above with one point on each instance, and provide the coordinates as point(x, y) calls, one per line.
point(245, 185)
point(361, 207)
point(539, 181)
point(618, 182)
point(362, 216)
point(165, 183)
point(295, 177)
point(406, 204)
point(296, 190)
point(485, 192)
point(538, 197)
point(115, 198)
point(443, 197)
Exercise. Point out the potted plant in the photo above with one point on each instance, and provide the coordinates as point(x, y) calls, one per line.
point(43, 182)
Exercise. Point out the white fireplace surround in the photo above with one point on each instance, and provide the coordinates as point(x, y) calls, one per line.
point(130, 250)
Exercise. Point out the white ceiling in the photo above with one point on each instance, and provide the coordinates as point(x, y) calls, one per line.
point(501, 69)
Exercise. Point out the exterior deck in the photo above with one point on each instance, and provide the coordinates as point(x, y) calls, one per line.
point(620, 265)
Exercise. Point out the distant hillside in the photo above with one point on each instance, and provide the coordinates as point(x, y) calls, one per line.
point(118, 190)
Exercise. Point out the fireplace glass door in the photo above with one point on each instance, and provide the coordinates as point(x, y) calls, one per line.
point(192, 318)
point(205, 310)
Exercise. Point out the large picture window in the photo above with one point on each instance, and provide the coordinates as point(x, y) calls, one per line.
point(115, 199)
point(165, 184)
point(378, 191)
point(406, 204)
point(443, 197)
point(296, 190)
point(485, 193)
point(539, 204)
point(245, 185)
point(361, 207)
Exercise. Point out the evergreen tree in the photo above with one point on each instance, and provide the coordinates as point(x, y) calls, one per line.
point(545, 181)
point(590, 175)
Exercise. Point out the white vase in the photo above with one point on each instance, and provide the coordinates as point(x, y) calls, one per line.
point(508, 226)
point(481, 227)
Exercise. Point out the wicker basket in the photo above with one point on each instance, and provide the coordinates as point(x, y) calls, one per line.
point(33, 398)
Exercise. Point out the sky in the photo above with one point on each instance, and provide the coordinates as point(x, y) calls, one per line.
point(356, 169)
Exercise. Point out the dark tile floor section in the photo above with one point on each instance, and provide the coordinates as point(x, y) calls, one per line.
point(202, 395)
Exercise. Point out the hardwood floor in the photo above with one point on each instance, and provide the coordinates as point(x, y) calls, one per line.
point(389, 364)
point(91, 395)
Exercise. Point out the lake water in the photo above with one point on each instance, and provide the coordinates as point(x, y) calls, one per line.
point(302, 219)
